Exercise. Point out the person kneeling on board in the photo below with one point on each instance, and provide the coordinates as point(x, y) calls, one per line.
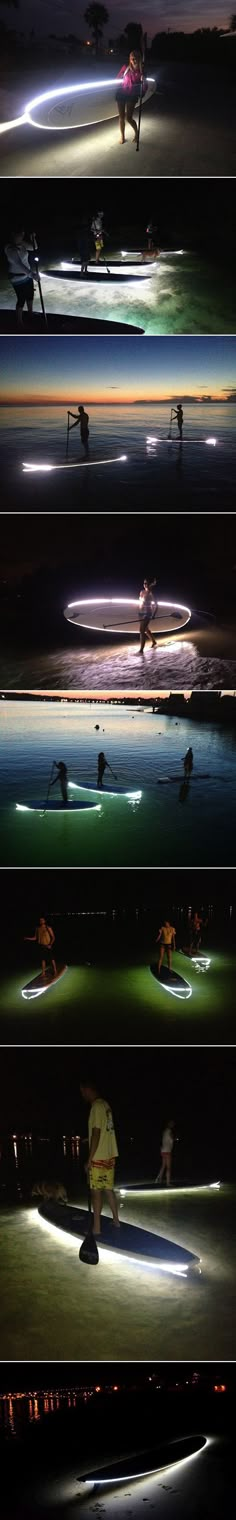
point(103, 1150)
point(167, 937)
point(45, 937)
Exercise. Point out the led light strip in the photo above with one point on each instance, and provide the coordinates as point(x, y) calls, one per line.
point(84, 464)
point(125, 601)
point(204, 1187)
point(150, 1472)
point(107, 1255)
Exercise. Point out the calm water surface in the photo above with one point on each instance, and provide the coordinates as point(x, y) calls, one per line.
point(192, 475)
point(169, 825)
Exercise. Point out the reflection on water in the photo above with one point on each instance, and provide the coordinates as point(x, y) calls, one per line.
point(176, 663)
point(17, 1410)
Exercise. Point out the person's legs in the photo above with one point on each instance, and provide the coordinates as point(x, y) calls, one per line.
point(97, 1208)
point(53, 963)
point(161, 957)
point(150, 635)
point(131, 120)
point(112, 1200)
point(43, 968)
point(169, 957)
point(160, 1174)
point(121, 108)
point(30, 307)
point(168, 1168)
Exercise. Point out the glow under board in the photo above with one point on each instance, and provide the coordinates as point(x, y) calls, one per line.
point(149, 1472)
point(107, 619)
point(107, 1255)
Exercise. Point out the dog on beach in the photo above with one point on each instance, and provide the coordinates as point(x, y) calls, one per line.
point(49, 1190)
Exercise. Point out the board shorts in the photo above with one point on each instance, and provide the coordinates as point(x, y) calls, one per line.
point(166, 1156)
point(24, 290)
point(164, 945)
point(47, 953)
point(102, 1175)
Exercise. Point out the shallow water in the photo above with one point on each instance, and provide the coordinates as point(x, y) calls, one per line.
point(176, 663)
point(169, 826)
point(184, 295)
point(192, 475)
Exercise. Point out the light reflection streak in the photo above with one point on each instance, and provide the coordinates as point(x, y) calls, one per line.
point(107, 1256)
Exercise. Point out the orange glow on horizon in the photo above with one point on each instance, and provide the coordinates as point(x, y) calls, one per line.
point(40, 398)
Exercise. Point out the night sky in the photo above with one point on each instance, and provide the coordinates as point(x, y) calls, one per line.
point(117, 370)
point(178, 15)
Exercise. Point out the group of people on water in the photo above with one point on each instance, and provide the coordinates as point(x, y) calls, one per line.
point(103, 764)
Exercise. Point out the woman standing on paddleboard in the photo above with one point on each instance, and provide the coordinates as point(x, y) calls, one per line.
point(147, 606)
point(45, 937)
point(128, 93)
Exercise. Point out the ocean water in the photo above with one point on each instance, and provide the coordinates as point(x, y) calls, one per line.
point(169, 826)
point(155, 472)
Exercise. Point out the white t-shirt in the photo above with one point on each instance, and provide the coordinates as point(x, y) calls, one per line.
point(167, 1140)
point(18, 260)
point(100, 1117)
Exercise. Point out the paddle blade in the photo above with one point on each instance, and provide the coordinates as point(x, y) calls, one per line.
point(89, 1251)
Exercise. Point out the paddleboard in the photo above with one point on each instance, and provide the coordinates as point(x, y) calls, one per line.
point(120, 616)
point(110, 791)
point(82, 105)
point(54, 807)
point(129, 1240)
point(99, 274)
point(171, 981)
point(165, 780)
point(156, 1187)
point(144, 1463)
point(40, 983)
point(199, 960)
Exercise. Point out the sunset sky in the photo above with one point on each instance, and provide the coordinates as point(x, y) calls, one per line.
point(118, 370)
point(61, 17)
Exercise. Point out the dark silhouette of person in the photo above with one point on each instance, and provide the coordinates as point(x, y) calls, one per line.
point(103, 765)
point(188, 762)
point(62, 777)
point(20, 271)
point(180, 418)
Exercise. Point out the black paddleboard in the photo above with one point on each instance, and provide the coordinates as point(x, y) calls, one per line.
point(100, 276)
point(166, 780)
point(171, 980)
point(40, 983)
point(54, 807)
point(144, 1463)
point(128, 1240)
point(110, 791)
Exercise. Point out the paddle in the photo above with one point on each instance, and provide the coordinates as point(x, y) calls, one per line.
point(49, 785)
point(37, 276)
point(171, 420)
point(88, 1250)
point(139, 116)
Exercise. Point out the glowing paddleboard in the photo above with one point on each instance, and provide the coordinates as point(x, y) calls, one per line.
point(128, 1241)
point(57, 806)
point(40, 983)
point(171, 981)
point(120, 615)
point(78, 105)
point(146, 1463)
point(99, 273)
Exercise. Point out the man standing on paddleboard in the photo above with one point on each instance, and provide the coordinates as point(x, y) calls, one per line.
point(167, 938)
point(62, 777)
point(188, 761)
point(45, 937)
point(103, 1150)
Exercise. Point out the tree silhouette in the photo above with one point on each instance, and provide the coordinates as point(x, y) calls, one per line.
point(97, 17)
point(233, 22)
